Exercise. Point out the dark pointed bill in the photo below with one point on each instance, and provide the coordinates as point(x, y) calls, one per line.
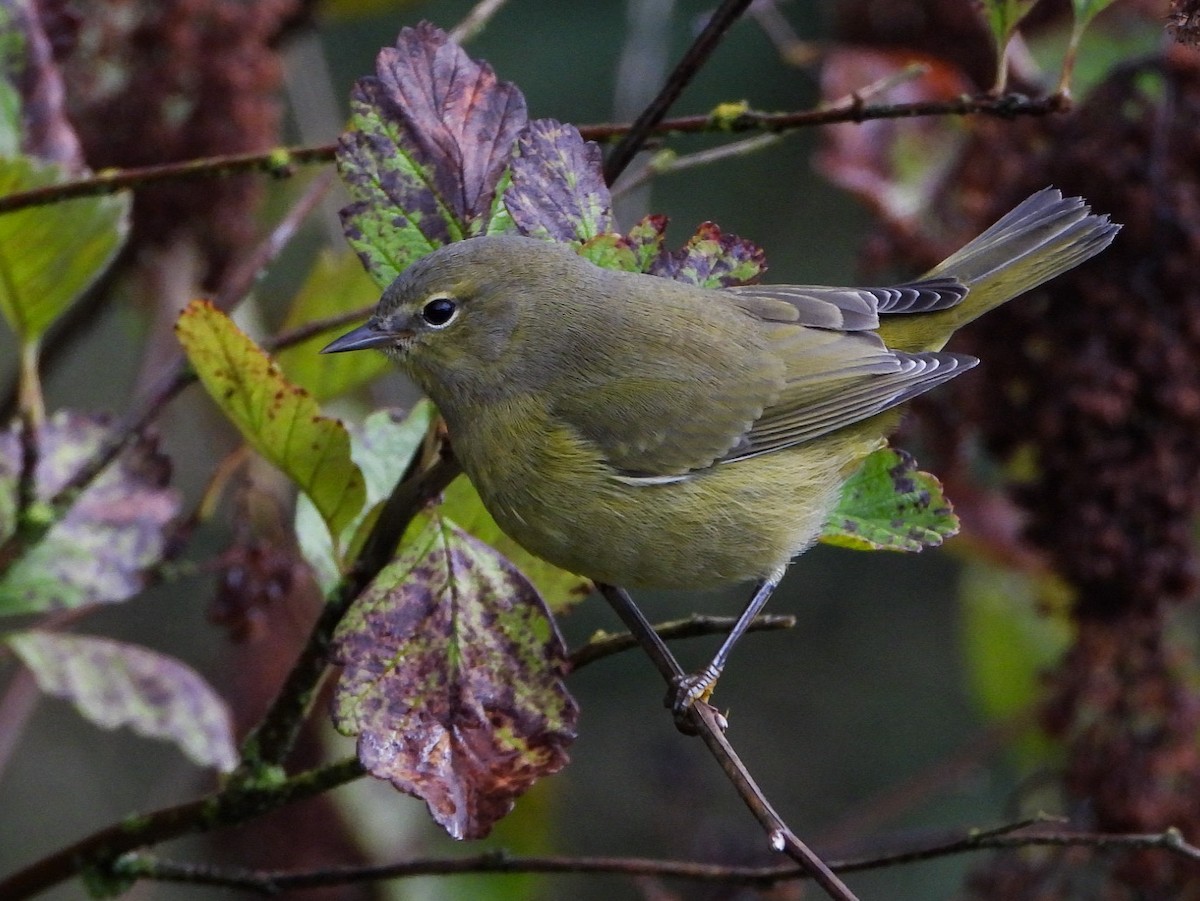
point(365, 336)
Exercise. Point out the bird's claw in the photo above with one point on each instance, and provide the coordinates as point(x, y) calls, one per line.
point(687, 691)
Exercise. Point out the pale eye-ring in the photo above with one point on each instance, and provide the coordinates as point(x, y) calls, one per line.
point(439, 312)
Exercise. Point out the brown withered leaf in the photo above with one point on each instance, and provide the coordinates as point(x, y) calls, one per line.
point(895, 165)
point(452, 679)
point(431, 136)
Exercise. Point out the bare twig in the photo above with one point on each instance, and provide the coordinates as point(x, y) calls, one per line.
point(476, 20)
point(693, 60)
point(270, 882)
point(1005, 107)
point(667, 162)
point(234, 804)
point(302, 333)
point(1008, 106)
point(895, 800)
point(710, 726)
point(693, 626)
point(280, 162)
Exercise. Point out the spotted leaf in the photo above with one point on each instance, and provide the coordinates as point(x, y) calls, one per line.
point(888, 504)
point(452, 679)
point(114, 684)
point(278, 419)
point(100, 552)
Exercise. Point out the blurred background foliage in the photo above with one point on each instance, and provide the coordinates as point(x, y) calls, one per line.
point(1042, 661)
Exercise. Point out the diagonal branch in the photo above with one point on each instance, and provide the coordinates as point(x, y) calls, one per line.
point(710, 726)
point(691, 63)
point(234, 804)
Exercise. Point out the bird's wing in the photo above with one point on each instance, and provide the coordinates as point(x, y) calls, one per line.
point(837, 369)
point(682, 408)
point(770, 367)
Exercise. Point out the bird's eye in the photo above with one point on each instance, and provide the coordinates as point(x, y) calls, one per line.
point(439, 312)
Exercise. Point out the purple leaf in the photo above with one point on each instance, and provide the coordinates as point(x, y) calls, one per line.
point(712, 259)
point(452, 679)
point(432, 133)
point(115, 684)
point(558, 190)
point(100, 551)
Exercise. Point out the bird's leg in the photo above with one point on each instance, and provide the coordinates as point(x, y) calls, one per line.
point(687, 690)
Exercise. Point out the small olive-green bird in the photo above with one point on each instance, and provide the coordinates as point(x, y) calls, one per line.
point(648, 433)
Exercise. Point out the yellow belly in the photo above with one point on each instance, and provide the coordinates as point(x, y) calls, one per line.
point(553, 494)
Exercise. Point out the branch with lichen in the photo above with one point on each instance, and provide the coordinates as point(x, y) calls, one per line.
point(283, 162)
point(1024, 834)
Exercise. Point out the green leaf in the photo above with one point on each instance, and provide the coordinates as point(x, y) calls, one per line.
point(382, 447)
point(114, 532)
point(890, 505)
point(10, 120)
point(278, 419)
point(49, 255)
point(430, 137)
point(115, 684)
point(610, 251)
point(1003, 16)
point(499, 220)
point(336, 284)
point(560, 589)
point(450, 648)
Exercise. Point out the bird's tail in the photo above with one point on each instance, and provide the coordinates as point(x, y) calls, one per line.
point(1044, 236)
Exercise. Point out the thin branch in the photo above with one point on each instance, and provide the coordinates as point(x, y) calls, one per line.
point(235, 804)
point(280, 162)
point(1171, 840)
point(693, 60)
point(476, 20)
point(868, 816)
point(302, 333)
point(270, 882)
point(691, 627)
point(704, 720)
point(667, 162)
point(1007, 107)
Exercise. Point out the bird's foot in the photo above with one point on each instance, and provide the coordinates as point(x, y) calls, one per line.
point(687, 691)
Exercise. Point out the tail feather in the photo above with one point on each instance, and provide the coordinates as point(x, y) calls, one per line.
point(1042, 237)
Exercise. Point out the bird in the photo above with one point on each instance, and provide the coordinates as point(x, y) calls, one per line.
point(648, 433)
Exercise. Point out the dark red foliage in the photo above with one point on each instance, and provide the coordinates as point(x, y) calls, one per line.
point(155, 81)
